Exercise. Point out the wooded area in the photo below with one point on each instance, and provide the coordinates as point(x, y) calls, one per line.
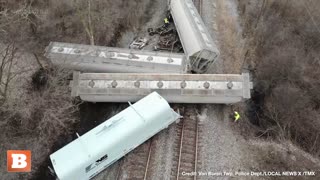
point(284, 49)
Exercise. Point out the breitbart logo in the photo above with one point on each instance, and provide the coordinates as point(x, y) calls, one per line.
point(19, 161)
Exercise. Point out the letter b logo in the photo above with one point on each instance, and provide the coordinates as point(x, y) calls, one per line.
point(19, 161)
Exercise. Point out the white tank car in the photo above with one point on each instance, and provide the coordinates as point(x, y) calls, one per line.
point(194, 36)
point(89, 58)
point(176, 88)
point(97, 149)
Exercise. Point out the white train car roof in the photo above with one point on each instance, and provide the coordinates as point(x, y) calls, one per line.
point(176, 88)
point(192, 31)
point(92, 152)
point(114, 60)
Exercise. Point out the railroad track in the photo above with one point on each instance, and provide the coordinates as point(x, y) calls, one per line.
point(185, 152)
point(138, 165)
point(146, 170)
point(186, 146)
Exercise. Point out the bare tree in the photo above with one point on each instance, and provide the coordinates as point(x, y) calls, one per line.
point(86, 19)
point(6, 73)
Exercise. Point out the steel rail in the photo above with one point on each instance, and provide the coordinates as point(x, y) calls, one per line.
point(148, 161)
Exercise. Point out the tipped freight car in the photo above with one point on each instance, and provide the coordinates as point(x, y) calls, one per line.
point(97, 149)
point(194, 36)
point(175, 88)
point(90, 58)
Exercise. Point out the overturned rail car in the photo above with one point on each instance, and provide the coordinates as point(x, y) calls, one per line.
point(89, 58)
point(176, 88)
point(194, 36)
point(97, 149)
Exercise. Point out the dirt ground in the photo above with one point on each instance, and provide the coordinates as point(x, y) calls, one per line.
point(223, 147)
point(232, 147)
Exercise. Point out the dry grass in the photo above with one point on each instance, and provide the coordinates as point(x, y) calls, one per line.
point(39, 108)
point(283, 51)
point(274, 157)
point(230, 40)
point(35, 120)
point(54, 20)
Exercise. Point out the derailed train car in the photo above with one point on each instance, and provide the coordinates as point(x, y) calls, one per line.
point(97, 149)
point(194, 36)
point(89, 58)
point(175, 88)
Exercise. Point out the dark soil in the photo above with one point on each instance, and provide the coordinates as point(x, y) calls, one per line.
point(40, 79)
